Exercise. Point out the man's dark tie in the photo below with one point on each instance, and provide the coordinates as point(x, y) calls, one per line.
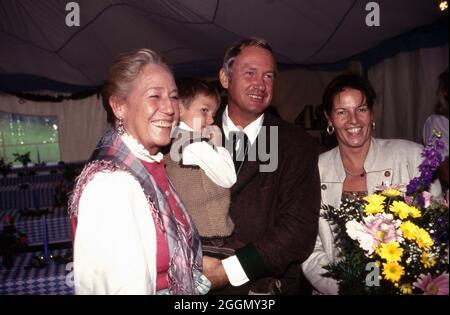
point(240, 140)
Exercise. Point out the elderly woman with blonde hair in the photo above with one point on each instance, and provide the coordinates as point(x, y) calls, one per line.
point(133, 235)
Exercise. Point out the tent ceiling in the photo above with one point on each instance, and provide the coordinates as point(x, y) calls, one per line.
point(192, 34)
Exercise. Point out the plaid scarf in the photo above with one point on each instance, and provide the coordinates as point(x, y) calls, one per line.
point(185, 254)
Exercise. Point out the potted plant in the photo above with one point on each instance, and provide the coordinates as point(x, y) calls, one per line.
point(22, 158)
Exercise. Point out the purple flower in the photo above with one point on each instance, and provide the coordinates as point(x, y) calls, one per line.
point(432, 159)
point(441, 234)
point(413, 186)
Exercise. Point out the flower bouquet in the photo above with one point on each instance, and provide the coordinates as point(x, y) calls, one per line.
point(394, 241)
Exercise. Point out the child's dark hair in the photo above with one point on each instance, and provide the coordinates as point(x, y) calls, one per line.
point(189, 89)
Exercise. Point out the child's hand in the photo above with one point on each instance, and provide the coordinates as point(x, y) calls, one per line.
point(214, 134)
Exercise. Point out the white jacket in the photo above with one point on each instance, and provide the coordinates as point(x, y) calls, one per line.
point(115, 240)
point(388, 162)
point(115, 250)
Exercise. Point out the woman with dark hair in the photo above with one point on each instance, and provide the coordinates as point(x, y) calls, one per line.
point(133, 235)
point(356, 166)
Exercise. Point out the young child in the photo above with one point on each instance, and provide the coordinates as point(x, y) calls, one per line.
point(206, 171)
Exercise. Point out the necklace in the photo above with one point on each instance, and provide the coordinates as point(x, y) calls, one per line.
point(355, 175)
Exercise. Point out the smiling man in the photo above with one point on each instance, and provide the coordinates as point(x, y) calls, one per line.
point(275, 212)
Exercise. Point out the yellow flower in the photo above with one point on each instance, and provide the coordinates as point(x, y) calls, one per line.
point(377, 251)
point(392, 252)
point(374, 204)
point(400, 208)
point(406, 288)
point(392, 271)
point(423, 239)
point(375, 199)
point(409, 230)
point(373, 208)
point(414, 212)
point(427, 260)
point(391, 193)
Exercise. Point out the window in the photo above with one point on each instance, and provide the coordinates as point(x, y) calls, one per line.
point(26, 133)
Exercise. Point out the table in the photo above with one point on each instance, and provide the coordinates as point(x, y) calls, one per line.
point(36, 195)
point(53, 279)
point(31, 179)
point(58, 225)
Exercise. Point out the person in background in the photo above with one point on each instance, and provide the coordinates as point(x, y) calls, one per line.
point(12, 242)
point(275, 201)
point(133, 235)
point(200, 168)
point(439, 122)
point(354, 168)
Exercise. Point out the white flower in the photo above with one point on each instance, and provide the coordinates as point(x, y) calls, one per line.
point(357, 232)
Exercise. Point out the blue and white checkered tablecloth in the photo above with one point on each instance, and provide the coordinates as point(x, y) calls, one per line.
point(59, 230)
point(18, 217)
point(54, 279)
point(58, 226)
point(35, 196)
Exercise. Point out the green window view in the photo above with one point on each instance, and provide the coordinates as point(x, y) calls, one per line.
point(36, 136)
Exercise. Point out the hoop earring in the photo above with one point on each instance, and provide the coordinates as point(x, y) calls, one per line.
point(373, 125)
point(120, 127)
point(330, 129)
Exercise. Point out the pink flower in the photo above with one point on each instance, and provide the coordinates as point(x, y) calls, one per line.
point(430, 286)
point(386, 186)
point(409, 200)
point(426, 199)
point(383, 228)
point(377, 229)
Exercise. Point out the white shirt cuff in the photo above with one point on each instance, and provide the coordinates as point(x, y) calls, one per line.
point(235, 273)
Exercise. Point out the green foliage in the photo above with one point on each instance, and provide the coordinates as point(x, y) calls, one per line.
point(22, 158)
point(350, 269)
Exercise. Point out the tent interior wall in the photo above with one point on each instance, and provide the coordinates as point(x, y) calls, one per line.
point(405, 84)
point(403, 72)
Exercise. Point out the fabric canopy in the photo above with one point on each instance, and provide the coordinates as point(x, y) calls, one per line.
point(38, 46)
